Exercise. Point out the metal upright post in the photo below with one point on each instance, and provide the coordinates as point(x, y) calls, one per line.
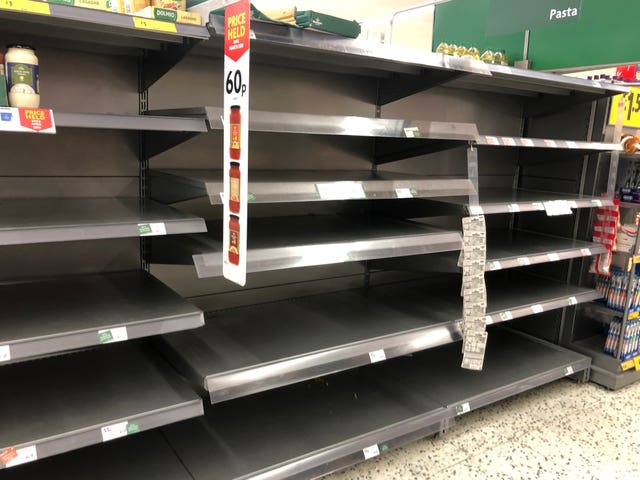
point(143, 161)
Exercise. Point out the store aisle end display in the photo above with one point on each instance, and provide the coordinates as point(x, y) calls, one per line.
point(394, 267)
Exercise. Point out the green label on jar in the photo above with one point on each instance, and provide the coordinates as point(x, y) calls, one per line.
point(23, 74)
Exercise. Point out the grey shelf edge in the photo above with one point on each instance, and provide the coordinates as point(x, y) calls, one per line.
point(501, 263)
point(89, 20)
point(56, 220)
point(394, 58)
point(266, 376)
point(499, 141)
point(47, 447)
point(515, 201)
point(301, 123)
point(270, 259)
point(171, 186)
point(126, 315)
point(129, 122)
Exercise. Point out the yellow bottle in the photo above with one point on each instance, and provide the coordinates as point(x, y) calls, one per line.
point(461, 51)
point(498, 57)
point(452, 49)
point(474, 53)
point(443, 48)
point(505, 59)
point(487, 56)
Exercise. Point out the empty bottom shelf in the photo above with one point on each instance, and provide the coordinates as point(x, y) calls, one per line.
point(310, 429)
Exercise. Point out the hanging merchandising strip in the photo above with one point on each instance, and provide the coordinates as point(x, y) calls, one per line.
point(236, 140)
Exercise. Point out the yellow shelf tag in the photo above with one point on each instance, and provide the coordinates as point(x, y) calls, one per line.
point(29, 6)
point(631, 115)
point(628, 365)
point(636, 363)
point(634, 315)
point(157, 25)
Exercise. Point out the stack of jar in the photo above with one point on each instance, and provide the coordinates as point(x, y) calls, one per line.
point(499, 57)
point(22, 80)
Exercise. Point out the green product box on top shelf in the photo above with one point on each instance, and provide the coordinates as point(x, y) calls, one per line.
point(4, 99)
point(327, 23)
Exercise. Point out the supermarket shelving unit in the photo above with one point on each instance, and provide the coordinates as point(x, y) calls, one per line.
point(363, 160)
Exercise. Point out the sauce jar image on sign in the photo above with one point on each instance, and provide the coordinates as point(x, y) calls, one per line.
point(234, 239)
point(234, 187)
point(23, 83)
point(234, 137)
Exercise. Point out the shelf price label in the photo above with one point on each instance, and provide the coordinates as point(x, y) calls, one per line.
point(118, 430)
point(377, 356)
point(568, 370)
point(235, 150)
point(151, 229)
point(523, 261)
point(12, 456)
point(636, 363)
point(5, 353)
point(631, 117)
point(113, 335)
point(370, 452)
point(156, 25)
point(30, 120)
point(537, 308)
point(463, 408)
point(340, 190)
point(28, 6)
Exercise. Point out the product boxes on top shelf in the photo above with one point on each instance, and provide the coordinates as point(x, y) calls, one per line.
point(169, 15)
point(104, 5)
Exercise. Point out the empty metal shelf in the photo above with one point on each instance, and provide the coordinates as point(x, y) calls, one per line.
point(63, 219)
point(251, 349)
point(310, 429)
point(63, 403)
point(548, 143)
point(302, 123)
point(505, 249)
point(289, 242)
point(129, 122)
point(146, 455)
point(502, 200)
point(285, 186)
point(54, 315)
point(413, 69)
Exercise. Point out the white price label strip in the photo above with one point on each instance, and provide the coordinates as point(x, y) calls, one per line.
point(5, 353)
point(568, 371)
point(476, 210)
point(493, 141)
point(377, 356)
point(524, 261)
point(495, 265)
point(526, 142)
point(571, 144)
point(597, 203)
point(404, 193)
point(537, 206)
point(340, 190)
point(112, 335)
point(504, 316)
point(553, 257)
point(464, 408)
point(509, 141)
point(412, 132)
point(557, 207)
point(537, 308)
point(150, 229)
point(572, 204)
point(550, 143)
point(572, 301)
point(488, 320)
point(585, 252)
point(514, 208)
point(12, 457)
point(117, 430)
point(370, 452)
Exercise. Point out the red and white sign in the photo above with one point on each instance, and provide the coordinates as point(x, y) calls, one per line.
point(34, 120)
point(236, 140)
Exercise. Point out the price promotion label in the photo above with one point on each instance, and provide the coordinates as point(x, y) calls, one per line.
point(236, 140)
point(631, 117)
point(33, 120)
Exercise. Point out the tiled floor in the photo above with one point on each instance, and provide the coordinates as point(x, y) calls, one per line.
point(560, 431)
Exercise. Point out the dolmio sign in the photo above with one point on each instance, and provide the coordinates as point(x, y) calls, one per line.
point(511, 16)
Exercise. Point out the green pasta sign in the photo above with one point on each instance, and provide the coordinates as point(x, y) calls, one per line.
point(508, 16)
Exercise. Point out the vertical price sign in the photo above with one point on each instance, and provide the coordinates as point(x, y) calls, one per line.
point(236, 140)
